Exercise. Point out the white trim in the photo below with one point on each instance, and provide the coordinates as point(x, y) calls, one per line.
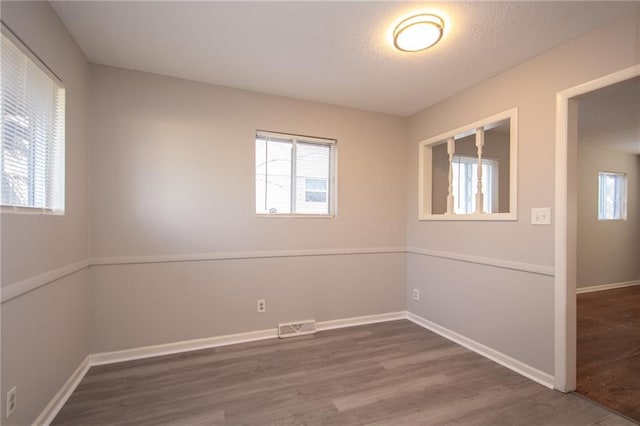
point(21, 287)
point(295, 216)
point(563, 383)
point(498, 263)
point(424, 179)
point(14, 290)
point(603, 287)
point(241, 255)
point(57, 402)
point(471, 217)
point(179, 347)
point(25, 210)
point(363, 320)
point(487, 352)
point(53, 407)
point(231, 339)
point(297, 138)
point(564, 302)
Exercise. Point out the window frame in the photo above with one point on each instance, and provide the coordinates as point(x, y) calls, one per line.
point(425, 168)
point(623, 199)
point(332, 187)
point(55, 185)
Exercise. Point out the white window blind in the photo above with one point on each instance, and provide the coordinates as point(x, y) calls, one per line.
point(612, 196)
point(33, 130)
point(294, 175)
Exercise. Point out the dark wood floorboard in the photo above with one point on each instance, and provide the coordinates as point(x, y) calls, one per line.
point(393, 373)
point(608, 362)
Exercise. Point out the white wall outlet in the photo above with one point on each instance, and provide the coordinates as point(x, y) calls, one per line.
point(12, 402)
point(416, 294)
point(541, 216)
point(261, 306)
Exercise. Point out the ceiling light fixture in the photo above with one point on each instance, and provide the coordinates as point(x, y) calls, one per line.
point(418, 32)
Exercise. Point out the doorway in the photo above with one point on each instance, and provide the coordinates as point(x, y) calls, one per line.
point(608, 246)
point(565, 235)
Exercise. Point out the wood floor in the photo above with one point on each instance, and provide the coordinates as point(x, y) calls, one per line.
point(608, 362)
point(394, 373)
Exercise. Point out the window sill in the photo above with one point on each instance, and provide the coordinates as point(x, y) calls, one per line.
point(30, 211)
point(296, 216)
point(475, 217)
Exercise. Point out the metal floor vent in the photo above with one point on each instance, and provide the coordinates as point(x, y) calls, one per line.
point(292, 329)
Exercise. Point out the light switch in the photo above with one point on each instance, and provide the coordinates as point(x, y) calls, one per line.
point(541, 216)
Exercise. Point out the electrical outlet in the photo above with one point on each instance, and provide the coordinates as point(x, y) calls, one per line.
point(11, 401)
point(262, 306)
point(416, 294)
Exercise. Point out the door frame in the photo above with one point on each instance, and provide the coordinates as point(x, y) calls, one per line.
point(565, 235)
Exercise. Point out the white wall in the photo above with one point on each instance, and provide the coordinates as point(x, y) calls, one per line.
point(44, 332)
point(522, 302)
point(172, 173)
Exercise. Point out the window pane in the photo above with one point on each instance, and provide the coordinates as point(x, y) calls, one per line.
point(612, 196)
point(465, 184)
point(312, 168)
point(315, 197)
point(316, 184)
point(273, 176)
point(33, 108)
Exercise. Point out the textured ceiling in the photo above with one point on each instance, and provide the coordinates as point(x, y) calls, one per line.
point(332, 52)
point(611, 116)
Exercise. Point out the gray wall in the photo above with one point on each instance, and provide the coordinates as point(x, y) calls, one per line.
point(172, 173)
point(172, 178)
point(45, 332)
point(148, 304)
point(522, 301)
point(607, 250)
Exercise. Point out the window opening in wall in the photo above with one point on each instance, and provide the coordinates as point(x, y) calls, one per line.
point(465, 181)
point(33, 130)
point(612, 196)
point(470, 173)
point(295, 175)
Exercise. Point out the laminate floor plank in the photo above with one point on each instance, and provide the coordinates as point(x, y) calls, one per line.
point(608, 348)
point(393, 373)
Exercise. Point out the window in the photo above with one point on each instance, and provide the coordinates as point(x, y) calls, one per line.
point(315, 190)
point(33, 127)
point(295, 175)
point(612, 196)
point(465, 182)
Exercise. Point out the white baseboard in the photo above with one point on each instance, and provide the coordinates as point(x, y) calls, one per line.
point(54, 406)
point(487, 352)
point(364, 320)
point(57, 402)
point(179, 347)
point(602, 287)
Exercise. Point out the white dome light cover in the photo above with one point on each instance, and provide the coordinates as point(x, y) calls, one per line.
point(418, 32)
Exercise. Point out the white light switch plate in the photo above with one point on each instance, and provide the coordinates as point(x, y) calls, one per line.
point(541, 216)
